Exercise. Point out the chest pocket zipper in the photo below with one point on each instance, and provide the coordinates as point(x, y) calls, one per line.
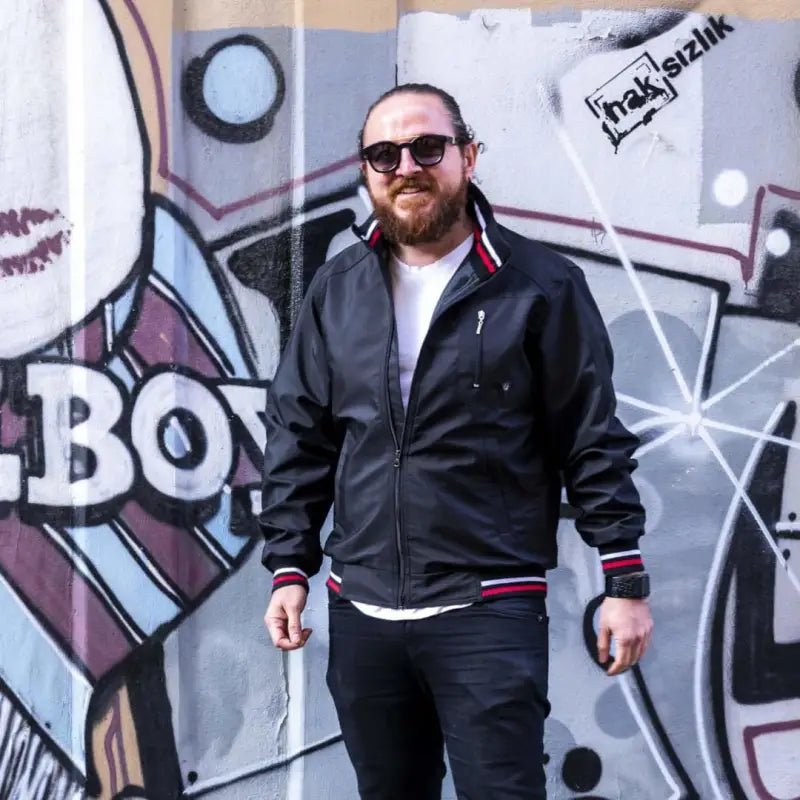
point(476, 382)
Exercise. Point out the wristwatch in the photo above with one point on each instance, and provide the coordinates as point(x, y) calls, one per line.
point(634, 585)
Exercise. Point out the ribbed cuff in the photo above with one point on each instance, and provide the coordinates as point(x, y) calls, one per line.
point(289, 576)
point(621, 560)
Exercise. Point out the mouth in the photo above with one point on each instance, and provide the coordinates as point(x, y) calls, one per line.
point(411, 191)
point(30, 240)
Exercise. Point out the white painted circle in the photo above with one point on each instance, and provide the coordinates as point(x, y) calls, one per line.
point(730, 187)
point(240, 84)
point(778, 242)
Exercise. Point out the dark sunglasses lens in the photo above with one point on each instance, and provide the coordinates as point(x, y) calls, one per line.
point(428, 150)
point(383, 156)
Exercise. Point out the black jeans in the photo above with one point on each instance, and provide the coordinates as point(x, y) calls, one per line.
point(474, 678)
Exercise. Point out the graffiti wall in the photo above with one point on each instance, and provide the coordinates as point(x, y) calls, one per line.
point(175, 172)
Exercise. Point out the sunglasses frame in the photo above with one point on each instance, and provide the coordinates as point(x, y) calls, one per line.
point(445, 140)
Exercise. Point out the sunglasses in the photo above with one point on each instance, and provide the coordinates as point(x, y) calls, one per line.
point(427, 150)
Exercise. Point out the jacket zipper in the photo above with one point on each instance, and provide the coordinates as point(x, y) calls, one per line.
point(410, 409)
point(396, 465)
point(476, 383)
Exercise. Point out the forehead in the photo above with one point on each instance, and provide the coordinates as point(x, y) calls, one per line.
point(405, 115)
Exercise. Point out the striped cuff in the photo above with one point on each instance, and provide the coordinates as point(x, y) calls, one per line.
point(505, 586)
point(621, 560)
point(289, 576)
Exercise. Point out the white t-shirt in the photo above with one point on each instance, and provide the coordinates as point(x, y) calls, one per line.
point(415, 292)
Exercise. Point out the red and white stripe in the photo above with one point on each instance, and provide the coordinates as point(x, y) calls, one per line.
point(498, 586)
point(334, 582)
point(373, 233)
point(483, 246)
point(288, 576)
point(628, 560)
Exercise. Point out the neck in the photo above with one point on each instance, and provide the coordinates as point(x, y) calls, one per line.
point(421, 255)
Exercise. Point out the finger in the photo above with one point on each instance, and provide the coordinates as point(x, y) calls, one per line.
point(603, 644)
point(640, 644)
point(277, 629)
point(295, 628)
point(636, 651)
point(622, 658)
point(287, 644)
point(647, 639)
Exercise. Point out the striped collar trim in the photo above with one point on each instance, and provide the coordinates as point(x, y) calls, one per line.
point(484, 248)
point(526, 583)
point(490, 250)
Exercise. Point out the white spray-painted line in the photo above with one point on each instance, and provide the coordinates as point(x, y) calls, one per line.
point(624, 683)
point(296, 721)
point(762, 437)
point(213, 547)
point(712, 584)
point(651, 422)
point(145, 562)
point(669, 413)
point(80, 686)
point(81, 565)
point(257, 768)
point(605, 220)
point(648, 447)
point(704, 354)
point(762, 526)
point(192, 322)
point(723, 393)
point(76, 180)
point(110, 325)
point(295, 661)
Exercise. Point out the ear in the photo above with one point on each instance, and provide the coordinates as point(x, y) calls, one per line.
point(470, 156)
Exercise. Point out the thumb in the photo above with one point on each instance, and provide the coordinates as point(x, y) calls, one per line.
point(603, 644)
point(295, 630)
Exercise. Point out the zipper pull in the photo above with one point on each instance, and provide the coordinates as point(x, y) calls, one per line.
point(476, 383)
point(396, 458)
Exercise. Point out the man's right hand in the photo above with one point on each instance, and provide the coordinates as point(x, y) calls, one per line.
point(283, 618)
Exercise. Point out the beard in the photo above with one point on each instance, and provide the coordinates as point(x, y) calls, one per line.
point(419, 226)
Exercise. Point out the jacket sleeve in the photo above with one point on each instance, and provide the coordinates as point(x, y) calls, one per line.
point(301, 453)
point(593, 450)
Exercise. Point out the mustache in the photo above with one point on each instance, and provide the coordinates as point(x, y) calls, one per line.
point(410, 183)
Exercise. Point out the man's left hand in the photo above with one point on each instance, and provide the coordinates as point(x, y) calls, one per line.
point(631, 625)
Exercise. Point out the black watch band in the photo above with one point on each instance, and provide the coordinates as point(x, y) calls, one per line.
point(634, 585)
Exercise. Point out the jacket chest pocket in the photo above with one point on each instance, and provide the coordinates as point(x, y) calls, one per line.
point(494, 369)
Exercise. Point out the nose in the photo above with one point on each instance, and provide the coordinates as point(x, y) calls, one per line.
point(407, 165)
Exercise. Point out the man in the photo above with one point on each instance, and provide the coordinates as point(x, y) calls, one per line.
point(442, 380)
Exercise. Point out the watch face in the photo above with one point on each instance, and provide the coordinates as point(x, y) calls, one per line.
point(633, 586)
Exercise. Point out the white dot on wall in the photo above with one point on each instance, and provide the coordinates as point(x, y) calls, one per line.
point(730, 187)
point(240, 84)
point(778, 242)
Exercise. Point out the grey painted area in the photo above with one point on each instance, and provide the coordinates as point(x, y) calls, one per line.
point(762, 140)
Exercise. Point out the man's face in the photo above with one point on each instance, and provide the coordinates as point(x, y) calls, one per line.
point(416, 204)
point(72, 194)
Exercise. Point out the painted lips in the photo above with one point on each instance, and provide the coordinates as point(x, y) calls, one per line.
point(43, 236)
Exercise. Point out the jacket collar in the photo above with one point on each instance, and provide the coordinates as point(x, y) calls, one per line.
point(489, 252)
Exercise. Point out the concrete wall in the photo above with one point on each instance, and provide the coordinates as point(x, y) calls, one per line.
point(174, 171)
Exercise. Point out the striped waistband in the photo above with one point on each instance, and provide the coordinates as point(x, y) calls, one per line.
point(499, 586)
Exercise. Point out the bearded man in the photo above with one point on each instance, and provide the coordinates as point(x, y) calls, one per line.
point(444, 379)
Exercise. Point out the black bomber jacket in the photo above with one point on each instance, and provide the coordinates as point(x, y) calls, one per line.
point(458, 499)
